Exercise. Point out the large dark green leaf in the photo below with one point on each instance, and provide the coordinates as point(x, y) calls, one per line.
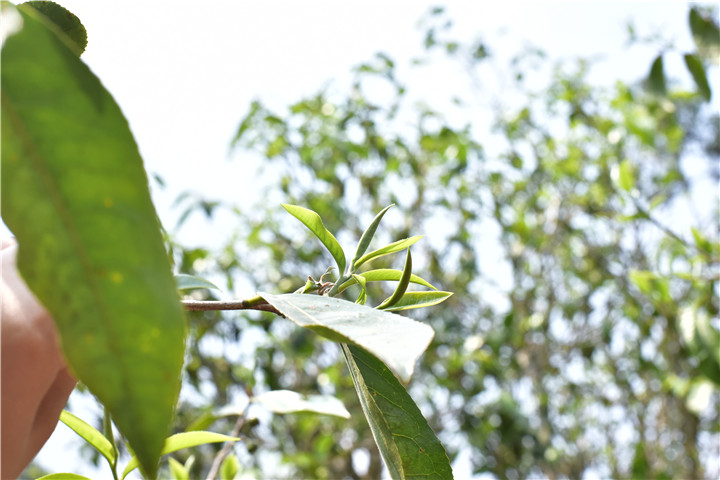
point(75, 194)
point(405, 440)
point(398, 341)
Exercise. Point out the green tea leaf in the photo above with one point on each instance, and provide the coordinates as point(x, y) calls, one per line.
point(64, 20)
point(63, 476)
point(75, 194)
point(362, 297)
point(697, 70)
point(397, 341)
point(386, 275)
point(229, 468)
point(315, 224)
point(405, 440)
point(91, 435)
point(189, 282)
point(387, 249)
point(178, 470)
point(401, 286)
point(183, 440)
point(368, 234)
point(419, 300)
point(286, 401)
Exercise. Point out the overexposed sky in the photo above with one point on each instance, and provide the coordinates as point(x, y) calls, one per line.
point(184, 74)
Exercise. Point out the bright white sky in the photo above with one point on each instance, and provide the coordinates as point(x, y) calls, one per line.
point(185, 73)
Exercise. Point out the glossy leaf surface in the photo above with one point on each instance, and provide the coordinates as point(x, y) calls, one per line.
point(398, 341)
point(75, 194)
point(286, 401)
point(407, 443)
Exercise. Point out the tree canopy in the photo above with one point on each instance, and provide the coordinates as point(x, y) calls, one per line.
point(582, 336)
point(578, 235)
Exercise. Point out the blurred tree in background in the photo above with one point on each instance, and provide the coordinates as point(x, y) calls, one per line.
point(580, 236)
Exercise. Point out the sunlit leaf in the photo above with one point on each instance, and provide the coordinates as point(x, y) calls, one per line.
point(386, 275)
point(419, 300)
point(368, 235)
point(178, 470)
point(183, 440)
point(75, 194)
point(315, 224)
point(189, 282)
point(397, 341)
point(398, 246)
point(286, 401)
point(405, 440)
point(230, 467)
point(91, 435)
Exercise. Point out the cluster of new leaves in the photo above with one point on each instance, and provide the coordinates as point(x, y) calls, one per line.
point(118, 314)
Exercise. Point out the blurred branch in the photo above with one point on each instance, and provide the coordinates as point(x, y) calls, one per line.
point(227, 448)
point(255, 303)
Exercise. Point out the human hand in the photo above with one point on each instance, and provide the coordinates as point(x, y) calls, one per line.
point(35, 380)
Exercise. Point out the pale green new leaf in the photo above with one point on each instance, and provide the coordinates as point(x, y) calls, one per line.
point(419, 300)
point(287, 401)
point(368, 234)
point(398, 341)
point(386, 250)
point(315, 224)
point(183, 440)
point(63, 476)
point(189, 282)
point(91, 435)
point(405, 440)
point(178, 470)
point(362, 297)
point(401, 286)
point(386, 275)
point(229, 468)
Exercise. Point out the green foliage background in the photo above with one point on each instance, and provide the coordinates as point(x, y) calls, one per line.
point(583, 332)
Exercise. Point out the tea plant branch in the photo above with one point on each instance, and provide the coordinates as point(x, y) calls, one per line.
point(255, 303)
point(227, 448)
